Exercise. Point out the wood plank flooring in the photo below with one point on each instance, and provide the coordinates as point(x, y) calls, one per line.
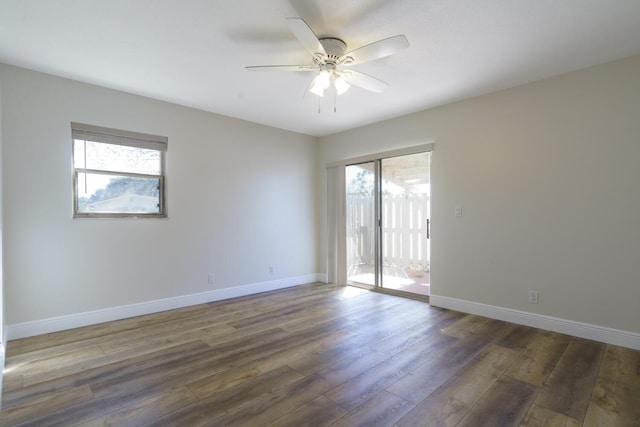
point(317, 355)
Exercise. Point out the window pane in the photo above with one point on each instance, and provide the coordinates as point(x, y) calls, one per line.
point(117, 158)
point(117, 194)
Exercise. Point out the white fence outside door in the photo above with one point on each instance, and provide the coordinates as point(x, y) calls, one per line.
point(405, 245)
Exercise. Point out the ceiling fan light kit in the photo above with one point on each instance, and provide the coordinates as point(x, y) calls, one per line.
point(341, 84)
point(320, 83)
point(329, 57)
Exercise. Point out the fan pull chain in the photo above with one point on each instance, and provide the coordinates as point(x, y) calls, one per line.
point(335, 100)
point(319, 104)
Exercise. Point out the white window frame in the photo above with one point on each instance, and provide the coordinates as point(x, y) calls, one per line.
point(105, 135)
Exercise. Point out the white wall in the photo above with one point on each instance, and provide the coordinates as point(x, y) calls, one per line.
point(3, 339)
point(548, 176)
point(240, 198)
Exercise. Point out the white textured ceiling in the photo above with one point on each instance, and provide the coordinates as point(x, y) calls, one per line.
point(193, 52)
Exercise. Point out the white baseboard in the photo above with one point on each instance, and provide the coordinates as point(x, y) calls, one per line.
point(564, 326)
point(54, 324)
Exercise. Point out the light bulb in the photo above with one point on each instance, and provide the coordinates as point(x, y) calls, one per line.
point(320, 83)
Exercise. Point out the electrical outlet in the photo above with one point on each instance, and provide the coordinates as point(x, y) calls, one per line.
point(271, 269)
point(211, 279)
point(457, 211)
point(533, 297)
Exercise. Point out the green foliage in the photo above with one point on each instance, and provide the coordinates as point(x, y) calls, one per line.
point(361, 185)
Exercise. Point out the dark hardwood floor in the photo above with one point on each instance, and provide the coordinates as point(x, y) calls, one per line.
point(317, 355)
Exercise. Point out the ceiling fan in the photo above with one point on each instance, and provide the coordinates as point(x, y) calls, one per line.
point(329, 58)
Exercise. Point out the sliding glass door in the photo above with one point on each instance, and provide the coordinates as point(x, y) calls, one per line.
point(361, 213)
point(388, 210)
point(405, 216)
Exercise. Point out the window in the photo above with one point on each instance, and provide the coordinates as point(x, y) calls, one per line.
point(117, 173)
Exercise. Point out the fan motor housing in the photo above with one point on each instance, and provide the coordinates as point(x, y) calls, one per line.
point(334, 47)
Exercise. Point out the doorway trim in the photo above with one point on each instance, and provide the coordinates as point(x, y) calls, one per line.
point(375, 156)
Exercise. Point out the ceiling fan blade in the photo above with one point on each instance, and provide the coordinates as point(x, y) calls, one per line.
point(377, 50)
point(365, 81)
point(280, 68)
point(311, 10)
point(305, 35)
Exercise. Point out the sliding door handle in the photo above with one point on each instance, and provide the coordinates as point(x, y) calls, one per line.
point(428, 228)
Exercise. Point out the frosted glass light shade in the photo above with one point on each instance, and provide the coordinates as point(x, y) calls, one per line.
point(320, 83)
point(341, 85)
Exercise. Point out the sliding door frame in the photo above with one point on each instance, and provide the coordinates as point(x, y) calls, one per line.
point(339, 263)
